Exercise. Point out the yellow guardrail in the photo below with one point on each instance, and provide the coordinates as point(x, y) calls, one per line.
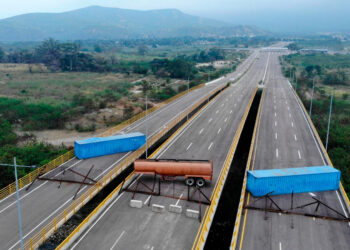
point(244, 186)
point(27, 179)
point(322, 146)
point(119, 127)
point(52, 226)
point(210, 211)
point(86, 221)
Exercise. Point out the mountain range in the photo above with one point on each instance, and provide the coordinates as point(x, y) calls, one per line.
point(102, 23)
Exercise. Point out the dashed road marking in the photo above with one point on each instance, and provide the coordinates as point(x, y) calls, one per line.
point(189, 146)
point(219, 130)
point(201, 131)
point(211, 144)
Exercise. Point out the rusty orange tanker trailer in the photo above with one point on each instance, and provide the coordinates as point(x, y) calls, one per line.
point(194, 171)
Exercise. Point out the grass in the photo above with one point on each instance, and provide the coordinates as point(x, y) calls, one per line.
point(56, 88)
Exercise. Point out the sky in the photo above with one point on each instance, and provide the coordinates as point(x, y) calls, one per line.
point(273, 15)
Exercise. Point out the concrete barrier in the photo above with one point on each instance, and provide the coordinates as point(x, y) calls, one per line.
point(175, 209)
point(158, 208)
point(192, 213)
point(136, 203)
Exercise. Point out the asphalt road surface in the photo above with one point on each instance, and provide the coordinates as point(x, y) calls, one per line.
point(285, 140)
point(46, 199)
point(208, 136)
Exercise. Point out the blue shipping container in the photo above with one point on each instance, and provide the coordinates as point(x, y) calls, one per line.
point(296, 180)
point(98, 146)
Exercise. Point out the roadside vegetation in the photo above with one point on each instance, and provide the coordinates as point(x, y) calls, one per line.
point(332, 75)
point(319, 42)
point(88, 86)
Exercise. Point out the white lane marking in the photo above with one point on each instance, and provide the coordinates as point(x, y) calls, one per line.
point(288, 108)
point(275, 123)
point(292, 124)
point(98, 219)
point(217, 111)
point(312, 194)
point(189, 146)
point(222, 105)
point(211, 144)
point(295, 137)
point(307, 122)
point(210, 120)
point(275, 114)
point(286, 102)
point(70, 199)
point(313, 136)
point(149, 197)
point(341, 203)
point(274, 107)
point(235, 104)
point(276, 152)
point(40, 185)
point(115, 243)
point(299, 154)
point(226, 99)
point(184, 130)
point(219, 130)
point(280, 246)
point(231, 111)
point(290, 115)
point(201, 131)
point(226, 119)
point(177, 203)
point(275, 136)
point(22, 197)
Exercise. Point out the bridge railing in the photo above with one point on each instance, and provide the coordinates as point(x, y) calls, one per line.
point(84, 224)
point(40, 237)
point(27, 179)
point(210, 211)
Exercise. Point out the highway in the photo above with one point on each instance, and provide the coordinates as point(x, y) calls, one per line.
point(45, 199)
point(285, 140)
point(209, 136)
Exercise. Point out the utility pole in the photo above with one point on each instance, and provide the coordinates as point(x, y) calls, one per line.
point(17, 196)
point(188, 89)
point(329, 120)
point(312, 95)
point(146, 125)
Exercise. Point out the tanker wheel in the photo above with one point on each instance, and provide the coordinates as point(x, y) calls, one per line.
point(189, 181)
point(200, 182)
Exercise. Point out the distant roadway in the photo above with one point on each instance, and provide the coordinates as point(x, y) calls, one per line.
point(208, 136)
point(285, 140)
point(46, 199)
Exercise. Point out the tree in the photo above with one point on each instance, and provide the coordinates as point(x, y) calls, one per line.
point(146, 86)
point(49, 52)
point(293, 46)
point(2, 54)
point(143, 49)
point(69, 55)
